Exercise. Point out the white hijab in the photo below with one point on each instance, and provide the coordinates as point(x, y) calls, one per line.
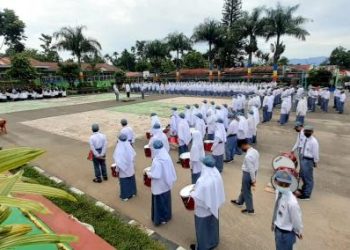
point(154, 120)
point(220, 132)
point(184, 131)
point(197, 149)
point(165, 169)
point(124, 155)
point(209, 190)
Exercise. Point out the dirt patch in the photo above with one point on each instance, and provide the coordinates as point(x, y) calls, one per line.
point(77, 126)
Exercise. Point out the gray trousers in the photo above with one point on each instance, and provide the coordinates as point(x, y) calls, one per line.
point(246, 192)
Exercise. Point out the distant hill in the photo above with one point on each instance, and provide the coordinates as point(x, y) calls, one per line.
point(312, 60)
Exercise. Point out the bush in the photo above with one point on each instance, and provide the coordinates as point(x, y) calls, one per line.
point(320, 77)
point(21, 69)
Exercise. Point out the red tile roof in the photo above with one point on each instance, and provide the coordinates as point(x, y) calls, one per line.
point(52, 66)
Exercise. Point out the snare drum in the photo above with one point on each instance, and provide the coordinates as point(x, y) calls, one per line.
point(146, 179)
point(186, 198)
point(114, 171)
point(147, 150)
point(282, 161)
point(208, 144)
point(185, 160)
point(173, 140)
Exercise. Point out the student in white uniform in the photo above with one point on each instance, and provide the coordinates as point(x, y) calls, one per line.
point(299, 128)
point(199, 124)
point(128, 131)
point(218, 148)
point(286, 218)
point(211, 124)
point(98, 146)
point(158, 134)
point(196, 154)
point(309, 160)
point(155, 120)
point(184, 134)
point(209, 196)
point(124, 158)
point(174, 120)
point(163, 177)
point(249, 171)
point(301, 110)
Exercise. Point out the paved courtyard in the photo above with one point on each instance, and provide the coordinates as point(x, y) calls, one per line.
point(63, 128)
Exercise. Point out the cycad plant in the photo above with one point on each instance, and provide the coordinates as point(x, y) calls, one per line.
point(15, 235)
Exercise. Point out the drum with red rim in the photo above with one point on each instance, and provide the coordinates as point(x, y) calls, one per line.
point(291, 156)
point(114, 170)
point(186, 198)
point(185, 160)
point(282, 161)
point(146, 180)
point(208, 145)
point(147, 150)
point(173, 140)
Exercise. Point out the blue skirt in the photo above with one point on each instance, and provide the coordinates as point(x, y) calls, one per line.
point(207, 232)
point(127, 187)
point(161, 208)
point(195, 177)
point(219, 162)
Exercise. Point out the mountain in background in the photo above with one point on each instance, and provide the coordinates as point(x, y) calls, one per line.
point(312, 60)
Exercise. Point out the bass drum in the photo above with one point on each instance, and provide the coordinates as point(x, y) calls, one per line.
point(282, 161)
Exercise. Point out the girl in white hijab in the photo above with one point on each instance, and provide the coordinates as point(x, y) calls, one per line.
point(209, 196)
point(196, 154)
point(124, 157)
point(163, 177)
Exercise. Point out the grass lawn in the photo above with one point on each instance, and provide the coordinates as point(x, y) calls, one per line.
point(162, 109)
point(108, 226)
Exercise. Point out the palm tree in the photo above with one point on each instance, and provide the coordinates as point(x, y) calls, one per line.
point(72, 39)
point(251, 26)
point(156, 51)
point(178, 42)
point(209, 31)
point(280, 21)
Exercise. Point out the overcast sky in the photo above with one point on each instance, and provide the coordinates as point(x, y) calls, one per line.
point(117, 24)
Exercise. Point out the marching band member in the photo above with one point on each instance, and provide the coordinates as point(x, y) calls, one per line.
point(209, 196)
point(163, 177)
point(309, 161)
point(286, 219)
point(249, 168)
point(200, 124)
point(155, 120)
point(231, 142)
point(184, 134)
point(128, 131)
point(301, 110)
point(218, 148)
point(174, 120)
point(196, 154)
point(124, 158)
point(158, 134)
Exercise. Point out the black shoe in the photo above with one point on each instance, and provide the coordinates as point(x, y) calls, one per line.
point(246, 211)
point(105, 178)
point(178, 162)
point(303, 197)
point(235, 202)
point(97, 180)
point(193, 246)
point(228, 161)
